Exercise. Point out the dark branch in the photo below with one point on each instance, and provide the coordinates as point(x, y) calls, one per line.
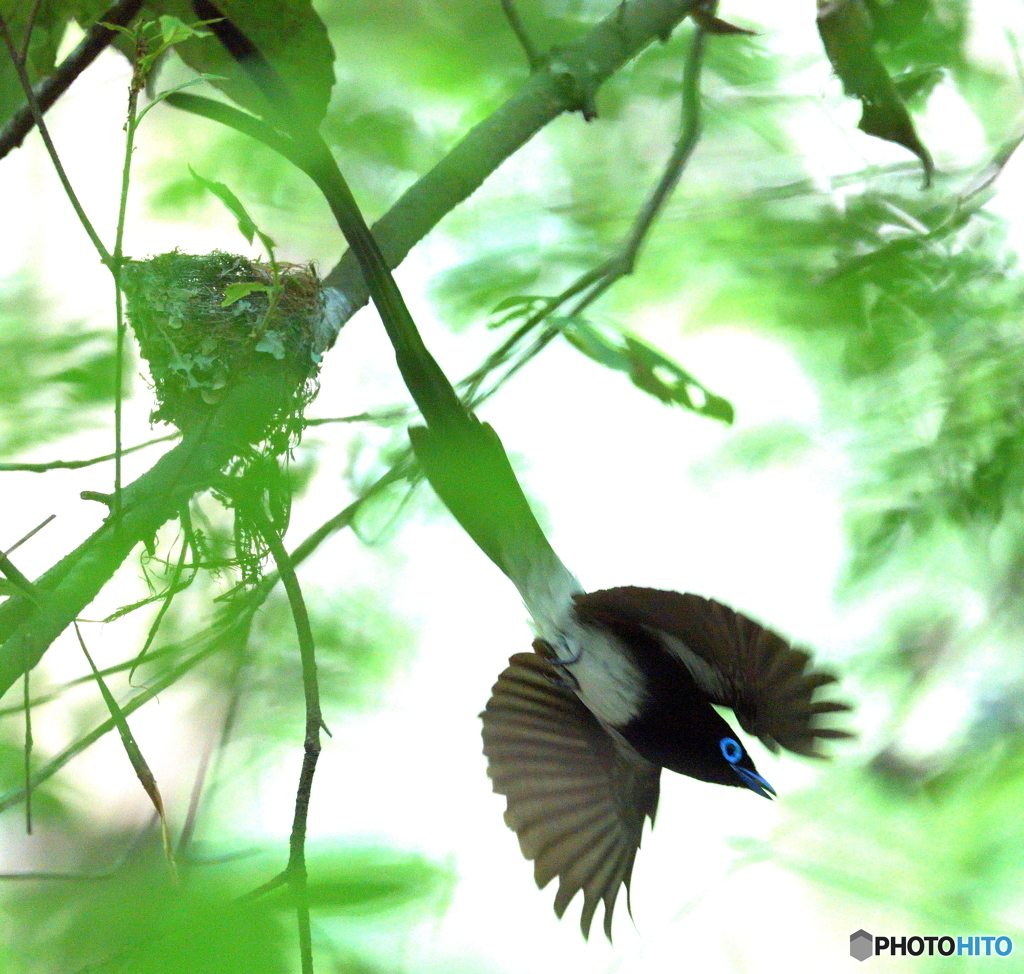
point(48, 91)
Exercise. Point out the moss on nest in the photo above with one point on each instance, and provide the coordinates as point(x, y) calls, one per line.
point(196, 347)
point(204, 323)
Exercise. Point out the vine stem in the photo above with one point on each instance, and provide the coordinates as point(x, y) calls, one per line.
point(295, 872)
point(116, 264)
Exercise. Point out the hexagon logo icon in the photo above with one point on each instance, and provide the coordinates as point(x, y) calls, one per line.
point(861, 945)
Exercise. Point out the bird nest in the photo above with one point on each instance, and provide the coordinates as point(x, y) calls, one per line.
point(204, 322)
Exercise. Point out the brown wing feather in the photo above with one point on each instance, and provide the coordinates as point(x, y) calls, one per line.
point(740, 664)
point(576, 799)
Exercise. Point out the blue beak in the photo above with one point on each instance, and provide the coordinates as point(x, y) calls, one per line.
point(755, 782)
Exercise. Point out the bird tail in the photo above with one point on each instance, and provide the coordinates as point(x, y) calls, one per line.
point(468, 468)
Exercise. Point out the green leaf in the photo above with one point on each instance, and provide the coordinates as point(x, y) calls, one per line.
point(369, 881)
point(648, 369)
point(847, 34)
point(240, 289)
point(288, 33)
point(246, 225)
point(173, 31)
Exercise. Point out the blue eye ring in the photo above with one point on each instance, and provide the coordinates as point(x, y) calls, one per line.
point(731, 749)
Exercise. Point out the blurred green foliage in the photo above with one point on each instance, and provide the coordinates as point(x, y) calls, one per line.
point(52, 380)
point(945, 855)
point(360, 644)
point(125, 914)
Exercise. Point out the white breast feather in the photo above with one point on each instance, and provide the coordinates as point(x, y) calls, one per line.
point(611, 685)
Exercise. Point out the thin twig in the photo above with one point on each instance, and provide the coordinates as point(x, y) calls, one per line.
point(26, 85)
point(535, 61)
point(119, 367)
point(475, 379)
point(51, 88)
point(590, 285)
point(689, 135)
point(172, 590)
point(29, 27)
point(39, 527)
point(275, 882)
point(116, 264)
point(384, 417)
point(26, 701)
point(253, 510)
point(79, 464)
point(16, 578)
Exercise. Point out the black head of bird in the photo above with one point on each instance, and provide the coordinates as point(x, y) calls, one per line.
point(621, 683)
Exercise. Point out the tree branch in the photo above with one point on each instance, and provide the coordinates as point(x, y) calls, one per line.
point(48, 91)
point(596, 56)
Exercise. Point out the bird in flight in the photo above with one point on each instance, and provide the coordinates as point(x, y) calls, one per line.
point(621, 683)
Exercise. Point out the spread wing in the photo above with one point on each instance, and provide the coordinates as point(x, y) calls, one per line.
point(576, 799)
point(737, 662)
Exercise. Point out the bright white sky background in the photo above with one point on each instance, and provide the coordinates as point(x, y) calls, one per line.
point(632, 497)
